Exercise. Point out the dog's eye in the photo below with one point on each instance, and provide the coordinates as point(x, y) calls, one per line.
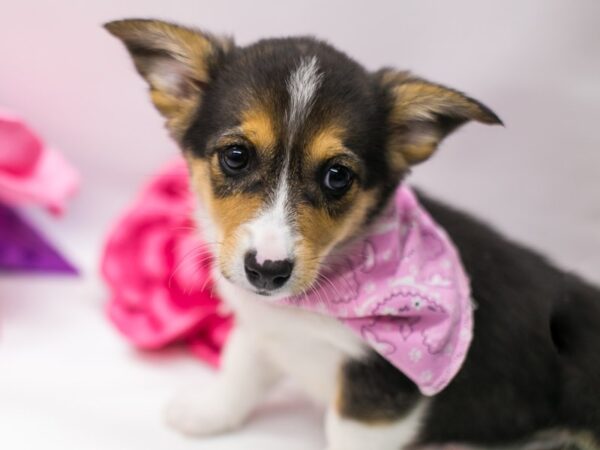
point(338, 179)
point(234, 159)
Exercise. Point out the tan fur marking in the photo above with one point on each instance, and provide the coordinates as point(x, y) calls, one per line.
point(404, 152)
point(178, 112)
point(228, 213)
point(320, 233)
point(174, 61)
point(258, 126)
point(587, 441)
point(415, 116)
point(326, 143)
point(417, 100)
point(390, 77)
point(200, 177)
point(420, 101)
point(369, 416)
point(190, 47)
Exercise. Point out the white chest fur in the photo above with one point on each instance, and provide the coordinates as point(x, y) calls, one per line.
point(306, 346)
point(269, 340)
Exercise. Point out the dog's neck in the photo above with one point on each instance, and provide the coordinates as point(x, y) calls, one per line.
point(402, 289)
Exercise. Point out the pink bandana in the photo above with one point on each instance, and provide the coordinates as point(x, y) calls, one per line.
point(403, 289)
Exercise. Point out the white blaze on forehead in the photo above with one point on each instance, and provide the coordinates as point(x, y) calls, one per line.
point(271, 234)
point(302, 87)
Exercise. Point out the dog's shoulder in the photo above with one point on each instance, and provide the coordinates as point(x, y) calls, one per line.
point(529, 318)
point(503, 272)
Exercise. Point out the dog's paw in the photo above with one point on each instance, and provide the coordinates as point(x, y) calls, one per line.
point(201, 414)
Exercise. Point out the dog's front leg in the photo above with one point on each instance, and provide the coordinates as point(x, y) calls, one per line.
point(344, 433)
point(226, 403)
point(376, 408)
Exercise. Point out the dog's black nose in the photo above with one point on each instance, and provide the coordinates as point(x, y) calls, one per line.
point(269, 275)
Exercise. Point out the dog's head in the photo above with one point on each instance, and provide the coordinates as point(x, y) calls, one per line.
point(293, 147)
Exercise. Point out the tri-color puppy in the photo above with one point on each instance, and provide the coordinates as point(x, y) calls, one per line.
point(294, 149)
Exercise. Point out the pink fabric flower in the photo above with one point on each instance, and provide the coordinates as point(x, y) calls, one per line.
point(159, 273)
point(30, 172)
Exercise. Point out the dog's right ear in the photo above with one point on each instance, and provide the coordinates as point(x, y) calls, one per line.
point(177, 62)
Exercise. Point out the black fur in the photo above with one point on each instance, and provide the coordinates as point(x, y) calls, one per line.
point(364, 381)
point(535, 359)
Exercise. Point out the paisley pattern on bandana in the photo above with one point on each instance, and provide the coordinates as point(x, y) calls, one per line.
point(404, 290)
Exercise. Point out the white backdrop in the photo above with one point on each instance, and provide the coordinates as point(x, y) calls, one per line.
point(67, 380)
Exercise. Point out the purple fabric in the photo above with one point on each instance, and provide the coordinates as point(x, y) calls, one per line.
point(23, 249)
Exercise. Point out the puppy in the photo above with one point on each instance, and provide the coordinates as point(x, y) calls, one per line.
point(295, 151)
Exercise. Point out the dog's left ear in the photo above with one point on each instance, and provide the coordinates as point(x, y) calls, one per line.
point(177, 63)
point(420, 114)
